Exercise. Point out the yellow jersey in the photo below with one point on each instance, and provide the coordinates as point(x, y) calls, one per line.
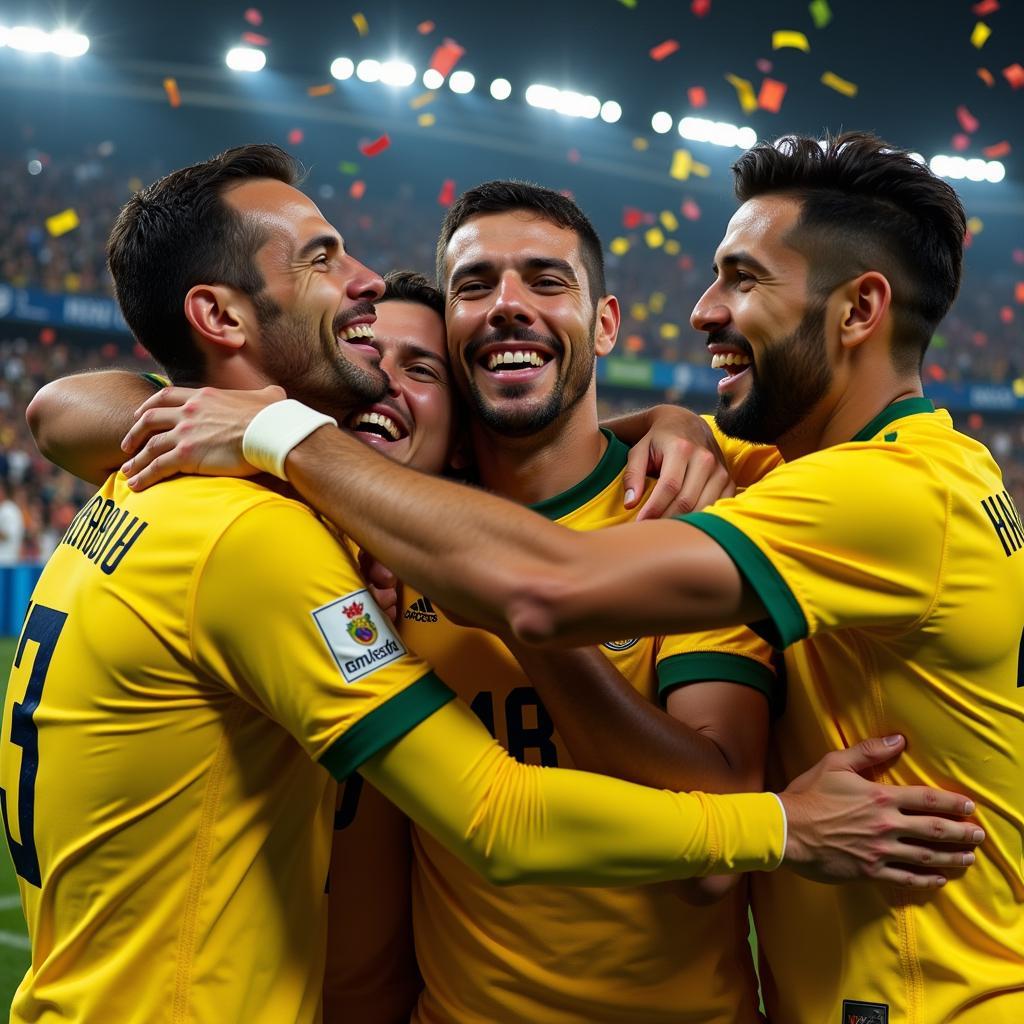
point(554, 954)
point(892, 572)
point(190, 654)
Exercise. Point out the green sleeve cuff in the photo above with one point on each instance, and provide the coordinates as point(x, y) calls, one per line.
point(156, 379)
point(786, 622)
point(720, 666)
point(385, 724)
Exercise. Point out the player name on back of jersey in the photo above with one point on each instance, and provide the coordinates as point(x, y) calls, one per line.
point(1005, 520)
point(104, 533)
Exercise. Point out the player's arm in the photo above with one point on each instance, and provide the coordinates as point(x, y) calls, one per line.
point(79, 421)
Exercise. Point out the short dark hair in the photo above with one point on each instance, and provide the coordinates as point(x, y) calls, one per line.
point(179, 232)
point(500, 196)
point(409, 286)
point(867, 205)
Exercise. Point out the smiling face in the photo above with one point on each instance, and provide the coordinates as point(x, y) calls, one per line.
point(763, 329)
point(414, 422)
point(316, 310)
point(521, 324)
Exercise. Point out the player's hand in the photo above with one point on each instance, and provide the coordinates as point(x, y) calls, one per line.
point(842, 827)
point(180, 430)
point(682, 453)
point(383, 583)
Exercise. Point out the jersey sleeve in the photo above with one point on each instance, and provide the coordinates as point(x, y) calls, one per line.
point(281, 617)
point(734, 655)
point(747, 463)
point(851, 537)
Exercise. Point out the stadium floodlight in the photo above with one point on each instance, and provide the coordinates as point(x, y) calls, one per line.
point(343, 68)
point(661, 122)
point(610, 111)
point(718, 133)
point(368, 70)
point(35, 167)
point(994, 171)
point(245, 58)
point(397, 73)
point(543, 96)
point(973, 169)
point(461, 82)
point(501, 88)
point(433, 79)
point(66, 43)
point(746, 138)
point(28, 39)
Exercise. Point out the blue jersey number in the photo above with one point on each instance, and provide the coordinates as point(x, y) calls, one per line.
point(43, 626)
point(521, 736)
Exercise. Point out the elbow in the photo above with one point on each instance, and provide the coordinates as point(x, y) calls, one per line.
point(40, 414)
point(503, 866)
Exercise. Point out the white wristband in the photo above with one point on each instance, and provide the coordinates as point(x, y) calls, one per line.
point(274, 431)
point(785, 828)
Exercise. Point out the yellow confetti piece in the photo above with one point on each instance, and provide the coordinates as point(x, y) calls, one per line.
point(668, 220)
point(417, 102)
point(682, 164)
point(619, 246)
point(1018, 387)
point(360, 22)
point(841, 85)
point(640, 145)
point(426, 120)
point(975, 225)
point(654, 237)
point(638, 311)
point(980, 34)
point(701, 170)
point(744, 93)
point(669, 331)
point(61, 223)
point(656, 302)
point(320, 90)
point(134, 185)
point(785, 39)
point(672, 247)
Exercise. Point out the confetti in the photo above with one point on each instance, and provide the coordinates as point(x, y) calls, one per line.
point(295, 136)
point(994, 152)
point(682, 165)
point(975, 225)
point(980, 34)
point(619, 246)
point(986, 76)
point(764, 66)
point(320, 90)
point(47, 335)
point(418, 102)
point(253, 16)
point(672, 247)
point(668, 220)
point(173, 95)
point(61, 223)
point(347, 167)
point(771, 95)
point(936, 372)
point(447, 194)
point(656, 303)
point(985, 7)
point(665, 49)
point(255, 39)
point(821, 13)
point(697, 95)
point(975, 421)
point(446, 56)
point(375, 147)
point(628, 3)
point(638, 311)
point(744, 93)
point(1018, 255)
point(1014, 74)
point(840, 85)
point(357, 189)
point(960, 142)
point(640, 144)
point(1018, 292)
point(1018, 384)
point(632, 218)
point(690, 210)
point(425, 120)
point(786, 39)
point(701, 170)
point(425, 28)
point(635, 343)
point(700, 7)
point(360, 22)
point(967, 120)
point(669, 331)
point(1006, 315)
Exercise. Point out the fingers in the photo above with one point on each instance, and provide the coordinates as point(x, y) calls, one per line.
point(866, 754)
point(158, 468)
point(665, 492)
point(690, 478)
point(387, 600)
point(905, 879)
point(634, 480)
point(924, 800)
point(154, 420)
point(165, 397)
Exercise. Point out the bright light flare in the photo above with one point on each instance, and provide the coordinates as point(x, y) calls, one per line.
point(245, 58)
point(610, 111)
point(398, 73)
point(501, 88)
point(343, 68)
point(433, 79)
point(461, 82)
point(661, 122)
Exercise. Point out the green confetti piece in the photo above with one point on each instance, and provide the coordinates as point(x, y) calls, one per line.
point(347, 167)
point(628, 3)
point(821, 13)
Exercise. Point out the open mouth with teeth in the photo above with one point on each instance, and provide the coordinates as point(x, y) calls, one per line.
point(356, 333)
point(521, 362)
point(377, 425)
point(735, 364)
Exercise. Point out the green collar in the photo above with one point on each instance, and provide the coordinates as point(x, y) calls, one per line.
point(612, 463)
point(896, 411)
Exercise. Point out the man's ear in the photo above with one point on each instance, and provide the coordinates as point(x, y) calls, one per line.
point(219, 313)
point(606, 329)
point(865, 302)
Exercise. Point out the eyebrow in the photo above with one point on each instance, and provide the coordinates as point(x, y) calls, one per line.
point(320, 242)
point(741, 257)
point(413, 351)
point(529, 263)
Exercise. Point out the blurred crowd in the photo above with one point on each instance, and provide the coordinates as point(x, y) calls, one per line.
point(657, 286)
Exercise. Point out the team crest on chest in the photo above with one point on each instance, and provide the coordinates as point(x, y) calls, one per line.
point(360, 626)
point(620, 645)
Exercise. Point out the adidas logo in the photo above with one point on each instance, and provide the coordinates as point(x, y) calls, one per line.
point(421, 611)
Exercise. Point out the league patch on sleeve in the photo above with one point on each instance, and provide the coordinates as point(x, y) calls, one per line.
point(358, 635)
point(857, 1012)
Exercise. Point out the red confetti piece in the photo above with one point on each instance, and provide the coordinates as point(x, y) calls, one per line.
point(253, 16)
point(173, 95)
point(936, 372)
point(357, 189)
point(771, 95)
point(697, 95)
point(975, 421)
point(47, 336)
point(967, 120)
point(960, 142)
point(446, 56)
point(1014, 74)
point(764, 66)
point(1018, 292)
point(375, 147)
point(1006, 314)
point(985, 7)
point(295, 136)
point(320, 90)
point(632, 218)
point(254, 39)
point(425, 28)
point(665, 49)
point(447, 194)
point(700, 7)
point(986, 76)
point(690, 210)
point(994, 152)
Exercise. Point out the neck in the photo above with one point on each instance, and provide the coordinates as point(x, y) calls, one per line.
point(535, 468)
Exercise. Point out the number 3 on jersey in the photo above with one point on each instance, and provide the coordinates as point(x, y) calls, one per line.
point(43, 626)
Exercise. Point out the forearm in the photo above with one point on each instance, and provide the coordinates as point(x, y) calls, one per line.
point(518, 823)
